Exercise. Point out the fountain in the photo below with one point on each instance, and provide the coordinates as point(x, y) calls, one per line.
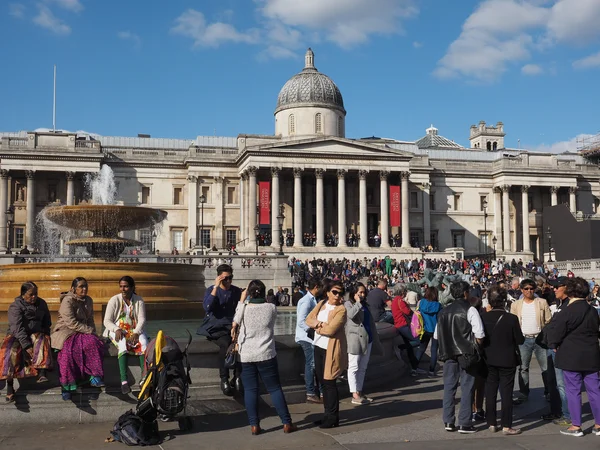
point(171, 291)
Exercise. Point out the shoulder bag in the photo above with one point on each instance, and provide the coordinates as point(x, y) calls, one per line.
point(232, 354)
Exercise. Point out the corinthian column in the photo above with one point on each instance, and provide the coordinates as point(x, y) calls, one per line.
point(553, 195)
point(506, 216)
point(252, 206)
point(70, 188)
point(498, 217)
point(192, 209)
point(30, 235)
point(242, 197)
point(341, 174)
point(275, 206)
point(3, 208)
point(573, 199)
point(298, 207)
point(320, 208)
point(362, 213)
point(525, 213)
point(426, 214)
point(405, 217)
point(385, 208)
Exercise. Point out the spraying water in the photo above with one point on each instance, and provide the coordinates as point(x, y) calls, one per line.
point(102, 186)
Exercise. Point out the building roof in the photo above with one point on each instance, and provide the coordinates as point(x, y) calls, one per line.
point(433, 140)
point(310, 88)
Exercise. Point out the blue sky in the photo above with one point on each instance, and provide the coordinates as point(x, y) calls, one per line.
point(185, 68)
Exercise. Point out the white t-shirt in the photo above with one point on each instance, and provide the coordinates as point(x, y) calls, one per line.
point(323, 316)
point(529, 322)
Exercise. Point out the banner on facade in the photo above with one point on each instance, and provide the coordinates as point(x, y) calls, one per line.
point(395, 206)
point(264, 189)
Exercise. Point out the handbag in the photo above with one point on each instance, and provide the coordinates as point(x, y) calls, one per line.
point(311, 331)
point(232, 353)
point(517, 352)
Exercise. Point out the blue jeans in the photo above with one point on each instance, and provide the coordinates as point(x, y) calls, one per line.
point(427, 336)
point(560, 384)
point(527, 349)
point(452, 375)
point(387, 316)
point(309, 368)
point(269, 373)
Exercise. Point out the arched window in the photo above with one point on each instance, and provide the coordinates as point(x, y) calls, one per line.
point(291, 125)
point(495, 146)
point(489, 145)
point(318, 123)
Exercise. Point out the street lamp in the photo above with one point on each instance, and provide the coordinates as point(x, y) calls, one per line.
point(280, 218)
point(256, 234)
point(154, 242)
point(10, 219)
point(202, 202)
point(485, 215)
point(494, 241)
point(549, 245)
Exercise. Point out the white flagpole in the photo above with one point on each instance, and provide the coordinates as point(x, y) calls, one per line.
point(54, 103)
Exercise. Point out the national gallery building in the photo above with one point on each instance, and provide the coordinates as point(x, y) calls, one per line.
point(367, 196)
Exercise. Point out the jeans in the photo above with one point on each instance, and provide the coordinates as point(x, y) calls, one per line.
point(427, 336)
point(410, 343)
point(560, 384)
point(387, 316)
point(309, 368)
point(527, 349)
point(269, 373)
point(452, 375)
point(573, 381)
point(357, 369)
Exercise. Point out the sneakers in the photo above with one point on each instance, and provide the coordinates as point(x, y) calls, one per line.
point(368, 399)
point(511, 431)
point(417, 372)
point(313, 399)
point(360, 401)
point(596, 431)
point(449, 427)
point(550, 416)
point(576, 432)
point(493, 428)
point(467, 430)
point(431, 374)
point(96, 382)
point(125, 389)
point(478, 416)
point(562, 422)
point(66, 395)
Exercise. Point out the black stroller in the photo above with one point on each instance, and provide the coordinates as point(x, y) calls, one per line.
point(164, 392)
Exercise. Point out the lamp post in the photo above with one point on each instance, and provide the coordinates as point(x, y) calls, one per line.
point(485, 215)
point(154, 242)
point(256, 234)
point(280, 219)
point(202, 202)
point(494, 241)
point(549, 245)
point(10, 218)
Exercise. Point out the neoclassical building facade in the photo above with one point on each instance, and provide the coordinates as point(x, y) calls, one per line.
point(481, 198)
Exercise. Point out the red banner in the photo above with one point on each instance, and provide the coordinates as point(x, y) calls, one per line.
point(264, 189)
point(395, 206)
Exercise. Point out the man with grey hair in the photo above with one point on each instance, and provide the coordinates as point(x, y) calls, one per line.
point(377, 300)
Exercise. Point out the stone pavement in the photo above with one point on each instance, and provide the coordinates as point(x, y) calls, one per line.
point(405, 416)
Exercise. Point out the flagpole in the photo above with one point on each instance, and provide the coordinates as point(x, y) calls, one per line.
point(54, 103)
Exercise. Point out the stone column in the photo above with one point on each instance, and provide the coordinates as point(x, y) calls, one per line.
point(252, 206)
point(573, 199)
point(70, 188)
point(525, 213)
point(426, 214)
point(553, 195)
point(192, 210)
point(275, 206)
point(506, 216)
point(219, 202)
point(362, 209)
point(242, 200)
point(405, 205)
point(298, 207)
point(3, 208)
point(341, 206)
point(30, 235)
point(385, 208)
point(320, 208)
point(498, 218)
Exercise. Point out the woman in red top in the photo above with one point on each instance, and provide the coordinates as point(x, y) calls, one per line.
point(402, 315)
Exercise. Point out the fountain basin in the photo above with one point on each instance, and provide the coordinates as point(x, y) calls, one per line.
point(170, 291)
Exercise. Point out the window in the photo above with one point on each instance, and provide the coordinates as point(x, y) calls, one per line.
point(318, 123)
point(483, 243)
point(178, 196)
point(495, 146)
point(19, 237)
point(489, 145)
point(416, 238)
point(340, 126)
point(414, 200)
point(206, 193)
point(291, 124)
point(52, 192)
point(145, 195)
point(231, 237)
point(146, 239)
point(458, 239)
point(483, 204)
point(370, 195)
point(457, 202)
point(433, 239)
point(232, 195)
point(205, 238)
point(177, 239)
point(432, 201)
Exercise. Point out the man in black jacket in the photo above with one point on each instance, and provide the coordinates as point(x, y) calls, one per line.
point(459, 331)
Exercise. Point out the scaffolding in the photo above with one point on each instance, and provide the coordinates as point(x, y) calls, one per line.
point(589, 146)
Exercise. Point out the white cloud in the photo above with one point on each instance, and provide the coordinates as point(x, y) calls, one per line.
point(417, 44)
point(532, 69)
point(49, 21)
point(500, 33)
point(572, 145)
point(69, 5)
point(129, 36)
point(193, 24)
point(16, 10)
point(588, 62)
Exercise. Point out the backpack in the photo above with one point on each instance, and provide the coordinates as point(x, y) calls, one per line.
point(416, 324)
point(130, 429)
point(285, 300)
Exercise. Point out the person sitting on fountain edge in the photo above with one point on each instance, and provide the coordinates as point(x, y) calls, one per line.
point(220, 302)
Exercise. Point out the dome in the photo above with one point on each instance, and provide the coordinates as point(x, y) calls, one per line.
point(310, 88)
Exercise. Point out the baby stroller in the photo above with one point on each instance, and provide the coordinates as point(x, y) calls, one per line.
point(164, 391)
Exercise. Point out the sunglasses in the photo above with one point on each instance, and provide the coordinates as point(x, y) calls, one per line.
point(229, 278)
point(528, 289)
point(337, 293)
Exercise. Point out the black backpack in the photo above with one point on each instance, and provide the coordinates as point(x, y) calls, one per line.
point(130, 429)
point(284, 300)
